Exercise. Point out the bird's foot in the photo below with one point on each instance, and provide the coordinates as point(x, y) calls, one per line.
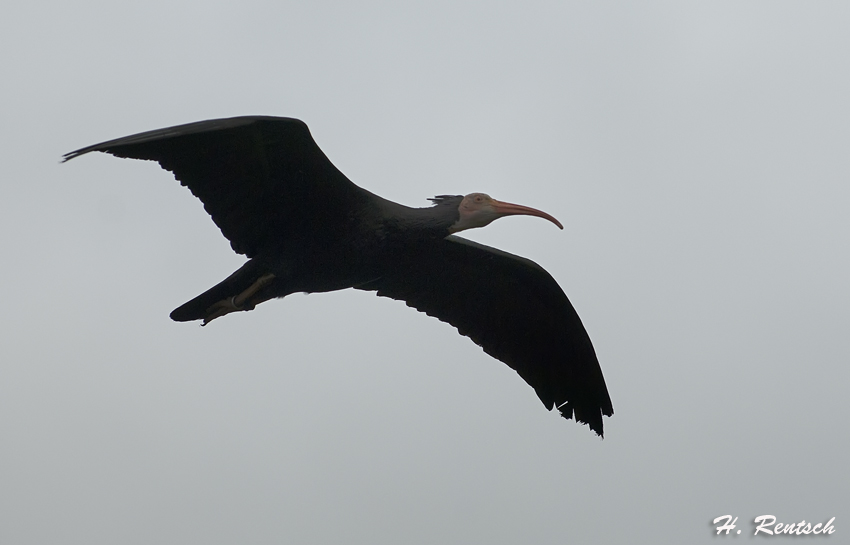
point(221, 308)
point(239, 302)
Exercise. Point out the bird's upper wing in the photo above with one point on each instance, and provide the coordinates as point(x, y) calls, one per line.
point(258, 177)
point(514, 310)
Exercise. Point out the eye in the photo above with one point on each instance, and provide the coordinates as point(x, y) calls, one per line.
point(479, 198)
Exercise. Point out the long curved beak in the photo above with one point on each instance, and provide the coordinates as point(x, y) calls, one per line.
point(510, 209)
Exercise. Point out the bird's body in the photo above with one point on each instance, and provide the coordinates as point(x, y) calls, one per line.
point(306, 228)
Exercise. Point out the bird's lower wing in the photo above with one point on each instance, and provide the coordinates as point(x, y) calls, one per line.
point(514, 310)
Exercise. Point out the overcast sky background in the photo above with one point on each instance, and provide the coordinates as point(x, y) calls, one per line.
point(697, 155)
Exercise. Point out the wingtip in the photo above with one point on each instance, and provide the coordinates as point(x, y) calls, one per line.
point(593, 421)
point(72, 154)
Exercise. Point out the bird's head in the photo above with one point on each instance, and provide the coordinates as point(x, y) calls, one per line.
point(479, 209)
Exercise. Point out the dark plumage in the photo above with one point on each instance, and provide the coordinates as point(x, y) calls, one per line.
point(306, 228)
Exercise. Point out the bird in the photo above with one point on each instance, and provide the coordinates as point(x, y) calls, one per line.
point(305, 227)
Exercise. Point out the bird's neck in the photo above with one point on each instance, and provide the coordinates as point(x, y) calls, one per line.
point(419, 223)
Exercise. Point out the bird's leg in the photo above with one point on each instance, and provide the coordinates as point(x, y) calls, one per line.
point(237, 302)
point(261, 283)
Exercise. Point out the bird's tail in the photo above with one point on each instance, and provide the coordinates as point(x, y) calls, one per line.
point(249, 286)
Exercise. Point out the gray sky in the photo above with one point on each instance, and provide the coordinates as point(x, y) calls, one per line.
point(697, 155)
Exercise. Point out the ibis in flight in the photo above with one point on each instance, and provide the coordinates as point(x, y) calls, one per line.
point(304, 227)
